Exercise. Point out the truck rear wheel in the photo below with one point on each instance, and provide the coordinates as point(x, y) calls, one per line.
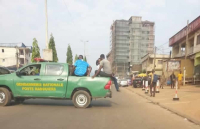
point(5, 97)
point(81, 99)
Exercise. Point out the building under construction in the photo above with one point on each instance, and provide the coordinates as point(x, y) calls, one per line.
point(130, 40)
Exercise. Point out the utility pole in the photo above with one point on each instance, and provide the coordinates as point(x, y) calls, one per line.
point(186, 44)
point(154, 59)
point(186, 50)
point(147, 64)
point(47, 44)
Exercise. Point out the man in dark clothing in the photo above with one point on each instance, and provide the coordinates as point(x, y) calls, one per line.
point(172, 78)
point(107, 72)
point(153, 84)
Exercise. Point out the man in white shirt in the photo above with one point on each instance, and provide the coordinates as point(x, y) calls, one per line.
point(107, 71)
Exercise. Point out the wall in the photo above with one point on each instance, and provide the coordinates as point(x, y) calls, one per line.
point(150, 67)
point(9, 55)
point(188, 64)
point(137, 67)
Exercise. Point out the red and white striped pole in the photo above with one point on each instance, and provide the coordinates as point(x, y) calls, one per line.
point(157, 86)
point(143, 85)
point(176, 93)
point(146, 87)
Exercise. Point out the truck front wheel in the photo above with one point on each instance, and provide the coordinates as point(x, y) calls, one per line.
point(5, 97)
point(81, 99)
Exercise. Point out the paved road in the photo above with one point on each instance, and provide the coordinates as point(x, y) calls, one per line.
point(125, 110)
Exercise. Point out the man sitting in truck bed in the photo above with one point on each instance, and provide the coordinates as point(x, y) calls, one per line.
point(81, 68)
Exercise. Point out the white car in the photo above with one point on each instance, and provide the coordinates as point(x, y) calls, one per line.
point(123, 82)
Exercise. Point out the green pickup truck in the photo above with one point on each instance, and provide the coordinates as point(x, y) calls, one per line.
point(53, 81)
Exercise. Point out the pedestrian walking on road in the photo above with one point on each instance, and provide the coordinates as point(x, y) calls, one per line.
point(173, 79)
point(154, 79)
point(162, 81)
point(180, 78)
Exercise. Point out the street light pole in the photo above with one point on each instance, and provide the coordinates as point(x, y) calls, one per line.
point(47, 44)
point(84, 46)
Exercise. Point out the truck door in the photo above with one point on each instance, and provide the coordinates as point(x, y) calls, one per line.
point(54, 80)
point(28, 80)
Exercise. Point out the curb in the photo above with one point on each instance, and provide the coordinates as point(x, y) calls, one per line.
point(189, 118)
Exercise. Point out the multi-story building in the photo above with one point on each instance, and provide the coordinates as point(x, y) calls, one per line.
point(130, 40)
point(13, 54)
point(148, 62)
point(190, 48)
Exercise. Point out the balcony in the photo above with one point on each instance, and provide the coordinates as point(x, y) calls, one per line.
point(180, 54)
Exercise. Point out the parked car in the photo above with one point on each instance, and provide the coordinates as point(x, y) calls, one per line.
point(53, 82)
point(123, 82)
point(4, 70)
point(137, 82)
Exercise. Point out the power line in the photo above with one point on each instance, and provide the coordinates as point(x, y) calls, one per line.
point(163, 44)
point(68, 11)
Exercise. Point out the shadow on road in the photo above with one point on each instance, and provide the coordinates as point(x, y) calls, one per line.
point(46, 102)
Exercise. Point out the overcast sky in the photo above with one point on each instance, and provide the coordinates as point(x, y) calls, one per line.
point(23, 20)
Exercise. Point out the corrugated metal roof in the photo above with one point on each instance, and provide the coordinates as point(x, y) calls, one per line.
point(12, 45)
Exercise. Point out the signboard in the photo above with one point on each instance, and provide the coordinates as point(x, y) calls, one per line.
point(48, 54)
point(173, 66)
point(194, 25)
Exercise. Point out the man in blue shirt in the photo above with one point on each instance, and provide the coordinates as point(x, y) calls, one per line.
point(81, 68)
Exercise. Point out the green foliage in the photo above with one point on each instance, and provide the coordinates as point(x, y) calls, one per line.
point(76, 58)
point(53, 47)
point(69, 55)
point(144, 71)
point(35, 50)
point(85, 59)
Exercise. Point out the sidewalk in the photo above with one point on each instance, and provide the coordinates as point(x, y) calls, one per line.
point(188, 105)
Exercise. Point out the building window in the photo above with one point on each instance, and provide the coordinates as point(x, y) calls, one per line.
point(2, 50)
point(198, 39)
point(160, 62)
point(54, 70)
point(21, 52)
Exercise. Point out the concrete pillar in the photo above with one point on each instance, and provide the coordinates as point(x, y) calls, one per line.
point(179, 49)
point(195, 42)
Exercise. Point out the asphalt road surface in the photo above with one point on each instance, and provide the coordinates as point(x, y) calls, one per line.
point(125, 110)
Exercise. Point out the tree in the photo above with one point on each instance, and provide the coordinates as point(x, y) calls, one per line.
point(53, 47)
point(76, 58)
point(85, 59)
point(35, 50)
point(144, 71)
point(69, 55)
